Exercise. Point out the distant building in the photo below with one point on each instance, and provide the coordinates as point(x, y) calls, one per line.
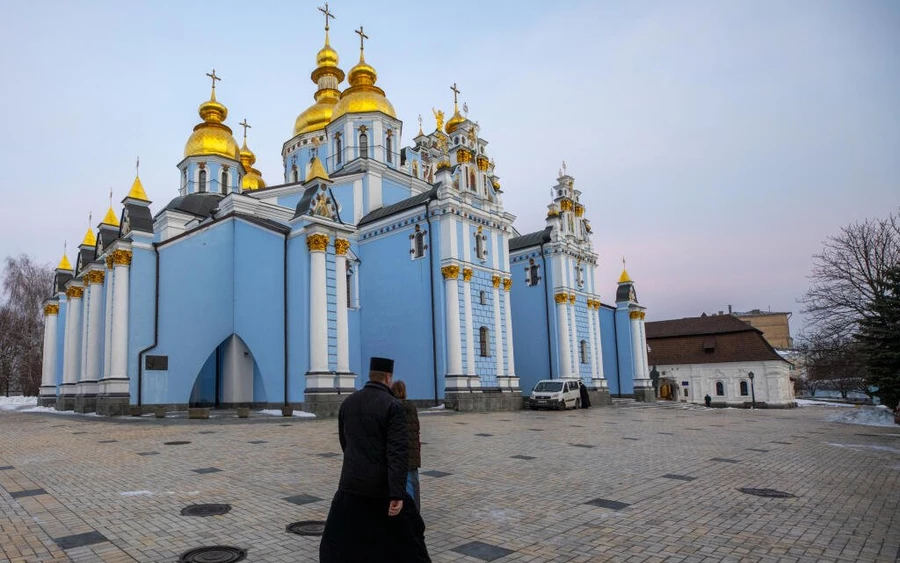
point(715, 355)
point(774, 326)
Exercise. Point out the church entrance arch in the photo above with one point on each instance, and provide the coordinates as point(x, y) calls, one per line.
point(227, 377)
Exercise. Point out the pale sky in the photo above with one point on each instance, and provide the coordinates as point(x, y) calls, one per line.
point(716, 144)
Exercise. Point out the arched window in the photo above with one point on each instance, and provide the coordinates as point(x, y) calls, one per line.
point(579, 274)
point(389, 146)
point(484, 346)
point(472, 184)
point(417, 243)
point(295, 174)
point(532, 273)
point(223, 185)
point(363, 145)
point(480, 251)
point(583, 351)
point(201, 181)
point(720, 389)
point(338, 149)
point(482, 297)
point(349, 284)
point(744, 391)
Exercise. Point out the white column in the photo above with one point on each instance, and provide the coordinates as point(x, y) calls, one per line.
point(343, 334)
point(72, 343)
point(451, 296)
point(638, 349)
point(510, 357)
point(107, 319)
point(573, 337)
point(85, 315)
point(469, 334)
point(48, 366)
point(562, 322)
point(598, 341)
point(318, 303)
point(592, 340)
point(498, 327)
point(92, 375)
point(119, 352)
point(643, 342)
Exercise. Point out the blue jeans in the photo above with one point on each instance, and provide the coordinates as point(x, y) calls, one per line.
point(412, 485)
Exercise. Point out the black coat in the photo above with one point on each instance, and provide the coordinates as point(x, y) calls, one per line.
point(372, 430)
point(412, 428)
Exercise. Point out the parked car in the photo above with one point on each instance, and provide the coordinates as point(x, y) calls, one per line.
point(555, 394)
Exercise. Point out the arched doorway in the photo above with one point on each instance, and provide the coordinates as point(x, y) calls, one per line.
point(227, 378)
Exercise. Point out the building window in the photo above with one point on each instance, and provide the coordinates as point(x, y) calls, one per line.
point(579, 274)
point(720, 389)
point(295, 174)
point(338, 149)
point(482, 297)
point(349, 269)
point(201, 182)
point(363, 145)
point(532, 273)
point(389, 146)
point(224, 182)
point(417, 243)
point(484, 346)
point(583, 351)
point(744, 391)
point(480, 251)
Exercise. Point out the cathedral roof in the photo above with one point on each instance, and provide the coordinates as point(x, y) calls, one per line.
point(362, 95)
point(531, 239)
point(139, 218)
point(200, 204)
point(399, 207)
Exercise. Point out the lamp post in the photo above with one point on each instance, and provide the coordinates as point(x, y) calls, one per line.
point(752, 391)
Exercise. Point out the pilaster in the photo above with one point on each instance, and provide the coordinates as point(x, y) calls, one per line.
point(48, 365)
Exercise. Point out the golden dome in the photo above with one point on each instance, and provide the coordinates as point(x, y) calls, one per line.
point(362, 95)
point(212, 137)
point(64, 264)
point(316, 170)
point(89, 238)
point(454, 121)
point(137, 190)
point(328, 77)
point(110, 218)
point(625, 278)
point(252, 179)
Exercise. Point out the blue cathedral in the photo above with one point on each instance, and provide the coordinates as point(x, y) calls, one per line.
point(241, 293)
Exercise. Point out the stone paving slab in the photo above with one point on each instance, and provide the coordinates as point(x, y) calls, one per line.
point(86, 488)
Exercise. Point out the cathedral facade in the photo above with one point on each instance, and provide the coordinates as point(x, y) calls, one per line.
point(238, 293)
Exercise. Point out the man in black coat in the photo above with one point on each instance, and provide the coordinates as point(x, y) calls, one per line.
point(371, 517)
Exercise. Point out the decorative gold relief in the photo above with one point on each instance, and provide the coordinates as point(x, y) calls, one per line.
point(94, 276)
point(553, 213)
point(579, 210)
point(52, 309)
point(443, 164)
point(571, 299)
point(450, 272)
point(463, 156)
point(561, 298)
point(109, 262)
point(507, 284)
point(74, 292)
point(566, 205)
point(483, 163)
point(121, 257)
point(637, 315)
point(341, 246)
point(495, 280)
point(317, 242)
point(467, 274)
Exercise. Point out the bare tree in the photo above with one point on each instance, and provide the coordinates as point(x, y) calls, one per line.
point(833, 363)
point(849, 275)
point(25, 285)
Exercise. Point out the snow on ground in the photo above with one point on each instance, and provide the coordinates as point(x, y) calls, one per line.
point(814, 403)
point(877, 416)
point(16, 403)
point(298, 414)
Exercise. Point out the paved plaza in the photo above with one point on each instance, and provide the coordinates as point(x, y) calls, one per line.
point(631, 482)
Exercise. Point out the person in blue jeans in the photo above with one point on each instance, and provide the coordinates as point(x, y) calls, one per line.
point(414, 446)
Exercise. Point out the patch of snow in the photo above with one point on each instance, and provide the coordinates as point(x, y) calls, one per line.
point(137, 494)
point(814, 403)
point(434, 410)
point(297, 414)
point(866, 447)
point(864, 416)
point(16, 403)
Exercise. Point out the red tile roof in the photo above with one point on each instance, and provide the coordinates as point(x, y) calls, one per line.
point(706, 340)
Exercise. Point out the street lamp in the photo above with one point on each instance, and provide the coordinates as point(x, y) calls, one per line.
point(752, 390)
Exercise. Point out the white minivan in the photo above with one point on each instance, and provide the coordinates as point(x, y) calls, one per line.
point(555, 394)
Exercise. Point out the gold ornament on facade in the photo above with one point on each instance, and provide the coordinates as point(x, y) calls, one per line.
point(467, 274)
point(74, 292)
point(561, 298)
point(483, 163)
point(317, 242)
point(463, 156)
point(438, 118)
point(636, 315)
point(553, 213)
point(51, 309)
point(443, 164)
point(571, 299)
point(507, 284)
point(495, 280)
point(565, 205)
point(94, 276)
point(341, 246)
point(121, 257)
point(109, 262)
point(450, 272)
point(579, 210)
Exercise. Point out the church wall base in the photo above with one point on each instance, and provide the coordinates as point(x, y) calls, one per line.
point(65, 403)
point(322, 405)
point(645, 394)
point(48, 401)
point(484, 401)
point(85, 403)
point(600, 397)
point(113, 406)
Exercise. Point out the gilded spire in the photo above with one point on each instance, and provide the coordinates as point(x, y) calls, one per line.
point(327, 77)
point(316, 169)
point(137, 188)
point(363, 96)
point(252, 179)
point(110, 217)
point(625, 278)
point(89, 238)
point(64, 264)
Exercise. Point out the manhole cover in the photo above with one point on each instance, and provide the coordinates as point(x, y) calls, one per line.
point(206, 510)
point(176, 443)
point(307, 528)
point(769, 493)
point(214, 554)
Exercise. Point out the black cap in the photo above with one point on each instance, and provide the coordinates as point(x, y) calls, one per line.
point(381, 364)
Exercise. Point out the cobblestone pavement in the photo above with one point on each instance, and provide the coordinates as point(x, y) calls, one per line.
point(639, 483)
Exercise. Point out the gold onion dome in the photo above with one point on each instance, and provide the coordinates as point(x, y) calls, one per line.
point(454, 121)
point(252, 179)
point(110, 218)
point(328, 77)
point(362, 95)
point(212, 137)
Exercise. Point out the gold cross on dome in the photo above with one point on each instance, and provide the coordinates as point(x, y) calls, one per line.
point(110, 197)
point(623, 262)
point(362, 37)
point(246, 126)
point(455, 92)
point(214, 78)
point(327, 13)
point(137, 167)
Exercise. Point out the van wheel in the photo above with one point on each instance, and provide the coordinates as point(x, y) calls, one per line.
point(577, 403)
